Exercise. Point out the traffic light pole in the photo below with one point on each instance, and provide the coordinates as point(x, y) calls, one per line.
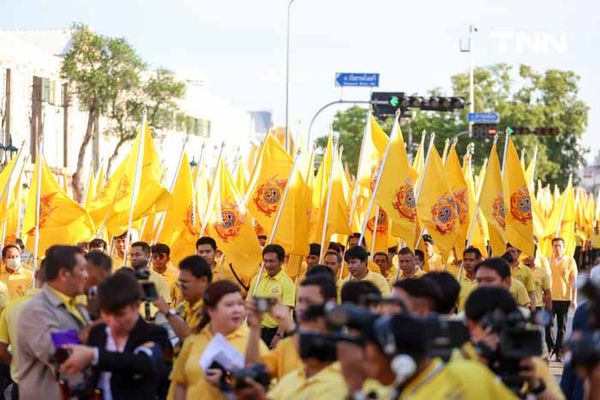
point(327, 106)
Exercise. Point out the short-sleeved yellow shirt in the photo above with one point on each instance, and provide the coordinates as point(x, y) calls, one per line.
point(329, 383)
point(187, 370)
point(434, 263)
point(17, 282)
point(542, 283)
point(171, 275)
point(280, 286)
point(525, 275)
point(377, 280)
point(564, 275)
point(518, 291)
point(418, 273)
point(463, 379)
point(283, 359)
point(467, 286)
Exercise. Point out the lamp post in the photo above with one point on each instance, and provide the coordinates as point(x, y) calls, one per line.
point(287, 76)
point(469, 49)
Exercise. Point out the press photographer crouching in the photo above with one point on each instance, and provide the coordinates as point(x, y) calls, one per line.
point(508, 343)
point(125, 353)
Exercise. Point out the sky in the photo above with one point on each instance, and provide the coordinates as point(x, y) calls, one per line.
point(240, 45)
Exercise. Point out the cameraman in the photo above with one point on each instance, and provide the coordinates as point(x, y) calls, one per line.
point(396, 355)
point(489, 301)
point(125, 352)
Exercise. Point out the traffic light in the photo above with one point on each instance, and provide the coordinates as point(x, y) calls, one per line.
point(540, 131)
point(386, 103)
point(483, 131)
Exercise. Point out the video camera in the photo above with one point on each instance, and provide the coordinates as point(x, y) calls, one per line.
point(149, 292)
point(520, 338)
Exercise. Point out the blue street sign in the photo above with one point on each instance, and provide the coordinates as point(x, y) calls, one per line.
point(484, 118)
point(356, 79)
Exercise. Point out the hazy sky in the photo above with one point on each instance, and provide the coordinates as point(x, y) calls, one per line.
point(240, 45)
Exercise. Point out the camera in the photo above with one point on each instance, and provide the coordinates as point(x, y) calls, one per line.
point(149, 292)
point(520, 338)
point(264, 304)
point(348, 315)
point(445, 335)
point(257, 373)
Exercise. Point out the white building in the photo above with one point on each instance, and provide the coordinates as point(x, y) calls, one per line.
point(30, 61)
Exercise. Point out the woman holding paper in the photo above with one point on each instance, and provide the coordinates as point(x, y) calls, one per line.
point(222, 320)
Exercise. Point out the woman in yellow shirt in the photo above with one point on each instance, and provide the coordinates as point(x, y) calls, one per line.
point(223, 312)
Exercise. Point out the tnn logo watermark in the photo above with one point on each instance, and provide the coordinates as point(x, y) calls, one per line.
point(540, 43)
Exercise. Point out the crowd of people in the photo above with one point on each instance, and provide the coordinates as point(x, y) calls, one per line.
point(125, 322)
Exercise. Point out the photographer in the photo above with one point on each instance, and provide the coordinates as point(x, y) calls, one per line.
point(140, 261)
point(125, 352)
point(397, 355)
point(486, 305)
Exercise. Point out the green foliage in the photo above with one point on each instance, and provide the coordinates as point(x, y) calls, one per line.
point(522, 98)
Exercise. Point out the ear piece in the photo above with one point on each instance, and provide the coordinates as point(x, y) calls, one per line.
point(404, 366)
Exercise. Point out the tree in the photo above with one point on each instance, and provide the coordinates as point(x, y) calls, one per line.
point(548, 99)
point(99, 69)
point(157, 96)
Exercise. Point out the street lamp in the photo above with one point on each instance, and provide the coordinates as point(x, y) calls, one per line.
point(469, 49)
point(287, 76)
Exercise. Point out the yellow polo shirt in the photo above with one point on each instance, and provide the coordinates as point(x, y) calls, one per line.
point(391, 278)
point(118, 262)
point(3, 295)
point(280, 286)
point(518, 291)
point(171, 275)
point(467, 286)
point(434, 263)
point(525, 275)
point(327, 384)
point(453, 268)
point(9, 321)
point(377, 280)
point(418, 273)
point(187, 370)
point(283, 359)
point(190, 314)
point(222, 271)
point(542, 283)
point(162, 287)
point(17, 282)
point(464, 379)
point(595, 239)
point(564, 275)
point(371, 266)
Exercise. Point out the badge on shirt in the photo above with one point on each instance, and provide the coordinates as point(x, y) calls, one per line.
point(276, 289)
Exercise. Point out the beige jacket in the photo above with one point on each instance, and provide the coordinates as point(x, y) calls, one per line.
point(43, 314)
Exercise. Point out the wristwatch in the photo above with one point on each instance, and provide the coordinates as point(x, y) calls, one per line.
point(170, 313)
point(539, 389)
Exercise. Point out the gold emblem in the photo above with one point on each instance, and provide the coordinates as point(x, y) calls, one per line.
point(405, 202)
point(230, 223)
point(269, 194)
point(443, 214)
point(520, 205)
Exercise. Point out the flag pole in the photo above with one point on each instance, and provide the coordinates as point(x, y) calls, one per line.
point(327, 203)
point(199, 165)
point(505, 151)
point(136, 183)
point(375, 226)
point(564, 206)
point(534, 165)
point(420, 183)
point(360, 157)
point(212, 188)
point(164, 214)
point(378, 181)
point(284, 196)
point(445, 151)
point(39, 160)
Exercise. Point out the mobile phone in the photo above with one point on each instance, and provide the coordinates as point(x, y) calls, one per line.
point(264, 304)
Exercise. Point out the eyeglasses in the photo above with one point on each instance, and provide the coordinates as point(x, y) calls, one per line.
point(182, 285)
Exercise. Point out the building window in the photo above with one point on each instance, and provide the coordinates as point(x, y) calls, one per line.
point(49, 91)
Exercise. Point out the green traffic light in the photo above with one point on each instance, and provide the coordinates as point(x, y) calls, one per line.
point(394, 101)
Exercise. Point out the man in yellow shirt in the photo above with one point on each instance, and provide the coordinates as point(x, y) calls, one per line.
point(522, 273)
point(564, 295)
point(496, 272)
point(118, 251)
point(420, 296)
point(384, 263)
point(222, 269)
point(98, 244)
point(273, 282)
point(395, 354)
point(333, 260)
point(407, 264)
point(541, 277)
point(357, 257)
point(433, 261)
point(13, 275)
point(162, 265)
point(471, 257)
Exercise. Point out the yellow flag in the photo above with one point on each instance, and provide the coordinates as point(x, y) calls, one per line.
point(241, 177)
point(491, 202)
point(201, 191)
point(100, 179)
point(180, 227)
point(230, 224)
point(112, 204)
point(518, 217)
point(436, 206)
point(419, 161)
point(396, 190)
point(90, 190)
point(6, 176)
point(62, 220)
point(14, 207)
point(460, 193)
point(477, 223)
point(562, 222)
point(373, 146)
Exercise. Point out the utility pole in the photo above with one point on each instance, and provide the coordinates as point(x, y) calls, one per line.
point(468, 48)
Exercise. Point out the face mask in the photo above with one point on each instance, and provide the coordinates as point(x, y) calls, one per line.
point(13, 263)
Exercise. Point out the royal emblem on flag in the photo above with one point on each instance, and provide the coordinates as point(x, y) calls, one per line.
point(520, 205)
point(405, 202)
point(375, 171)
point(382, 222)
point(190, 220)
point(462, 206)
point(231, 221)
point(124, 188)
point(444, 214)
point(499, 212)
point(269, 194)
point(46, 210)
